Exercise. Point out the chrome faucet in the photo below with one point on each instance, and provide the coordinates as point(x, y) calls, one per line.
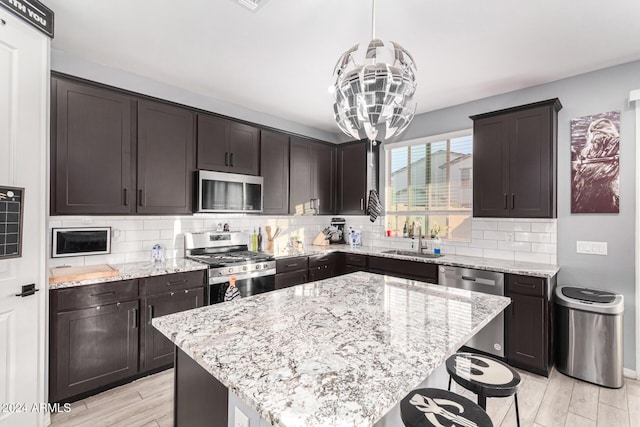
point(421, 241)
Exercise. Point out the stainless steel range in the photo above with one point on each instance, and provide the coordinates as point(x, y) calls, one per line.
point(227, 255)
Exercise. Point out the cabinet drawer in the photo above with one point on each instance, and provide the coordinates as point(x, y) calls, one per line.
point(526, 285)
point(292, 278)
point(403, 268)
point(292, 264)
point(321, 260)
point(92, 295)
point(171, 282)
point(355, 259)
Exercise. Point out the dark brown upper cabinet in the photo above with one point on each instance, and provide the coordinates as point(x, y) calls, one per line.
point(165, 159)
point(93, 151)
point(357, 174)
point(274, 167)
point(312, 177)
point(227, 146)
point(515, 161)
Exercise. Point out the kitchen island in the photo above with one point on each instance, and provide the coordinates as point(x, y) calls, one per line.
point(338, 352)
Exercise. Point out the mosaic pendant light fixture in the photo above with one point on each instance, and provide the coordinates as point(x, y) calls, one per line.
point(373, 89)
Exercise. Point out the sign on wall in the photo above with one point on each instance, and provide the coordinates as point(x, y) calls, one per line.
point(11, 211)
point(32, 11)
point(595, 163)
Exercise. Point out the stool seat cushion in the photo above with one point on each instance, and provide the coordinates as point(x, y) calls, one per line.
point(483, 375)
point(432, 407)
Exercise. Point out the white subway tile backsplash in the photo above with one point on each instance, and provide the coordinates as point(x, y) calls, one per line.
point(544, 248)
point(76, 261)
point(515, 246)
point(484, 224)
point(514, 226)
point(480, 243)
point(134, 235)
point(533, 237)
point(533, 240)
point(469, 251)
point(544, 227)
point(105, 259)
point(123, 247)
point(534, 257)
point(498, 254)
point(498, 235)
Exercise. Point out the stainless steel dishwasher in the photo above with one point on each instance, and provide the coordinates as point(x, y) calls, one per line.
point(490, 339)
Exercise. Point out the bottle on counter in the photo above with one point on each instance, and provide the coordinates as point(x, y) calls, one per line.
point(437, 245)
point(404, 230)
point(254, 240)
point(259, 243)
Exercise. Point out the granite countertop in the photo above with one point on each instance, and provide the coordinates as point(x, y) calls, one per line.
point(337, 352)
point(134, 270)
point(492, 264)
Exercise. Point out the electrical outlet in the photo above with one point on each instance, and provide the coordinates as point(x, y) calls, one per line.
point(591, 248)
point(240, 419)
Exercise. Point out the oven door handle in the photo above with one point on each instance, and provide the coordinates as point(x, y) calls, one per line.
point(244, 276)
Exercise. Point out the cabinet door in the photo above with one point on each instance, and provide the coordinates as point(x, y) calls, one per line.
point(526, 338)
point(300, 193)
point(165, 159)
point(213, 137)
point(352, 179)
point(531, 164)
point(274, 168)
point(93, 347)
point(323, 179)
point(244, 149)
point(92, 150)
point(156, 349)
point(491, 167)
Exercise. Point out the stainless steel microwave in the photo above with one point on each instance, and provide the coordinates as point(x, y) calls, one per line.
point(228, 192)
point(80, 241)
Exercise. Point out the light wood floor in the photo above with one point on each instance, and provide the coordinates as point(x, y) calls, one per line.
point(544, 402)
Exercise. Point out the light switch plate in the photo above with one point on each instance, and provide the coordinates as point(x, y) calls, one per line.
point(591, 248)
point(240, 418)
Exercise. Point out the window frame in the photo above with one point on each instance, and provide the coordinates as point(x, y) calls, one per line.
point(415, 142)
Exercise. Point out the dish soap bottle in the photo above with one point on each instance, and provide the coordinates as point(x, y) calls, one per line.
point(259, 244)
point(437, 245)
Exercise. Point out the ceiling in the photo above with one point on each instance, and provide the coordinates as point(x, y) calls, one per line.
point(279, 60)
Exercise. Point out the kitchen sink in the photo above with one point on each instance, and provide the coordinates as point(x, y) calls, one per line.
point(411, 253)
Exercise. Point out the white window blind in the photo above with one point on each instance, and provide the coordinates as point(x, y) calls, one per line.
point(428, 182)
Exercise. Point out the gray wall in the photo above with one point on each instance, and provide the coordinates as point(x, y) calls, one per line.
point(69, 64)
point(591, 93)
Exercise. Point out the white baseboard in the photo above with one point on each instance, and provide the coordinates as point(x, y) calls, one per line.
point(629, 373)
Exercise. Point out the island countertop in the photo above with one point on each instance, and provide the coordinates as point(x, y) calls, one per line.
point(337, 352)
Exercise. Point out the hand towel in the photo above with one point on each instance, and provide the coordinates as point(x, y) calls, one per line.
point(374, 208)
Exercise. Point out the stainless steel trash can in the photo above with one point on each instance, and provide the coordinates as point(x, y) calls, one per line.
point(589, 335)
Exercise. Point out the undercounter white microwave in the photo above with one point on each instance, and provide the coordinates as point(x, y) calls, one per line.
point(229, 192)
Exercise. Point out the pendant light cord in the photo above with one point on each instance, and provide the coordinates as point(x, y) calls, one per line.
point(373, 19)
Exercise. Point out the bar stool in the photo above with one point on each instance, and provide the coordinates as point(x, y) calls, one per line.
point(484, 376)
point(433, 407)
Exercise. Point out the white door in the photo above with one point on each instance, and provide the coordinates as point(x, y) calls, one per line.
point(24, 111)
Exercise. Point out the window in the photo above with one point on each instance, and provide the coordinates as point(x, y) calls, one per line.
point(428, 182)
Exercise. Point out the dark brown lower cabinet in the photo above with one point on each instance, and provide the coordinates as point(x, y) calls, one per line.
point(322, 266)
point(101, 335)
point(291, 278)
point(156, 350)
point(93, 347)
point(528, 321)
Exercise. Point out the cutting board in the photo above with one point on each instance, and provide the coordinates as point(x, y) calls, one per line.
point(74, 274)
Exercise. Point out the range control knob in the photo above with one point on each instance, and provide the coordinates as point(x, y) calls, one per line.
point(265, 266)
point(257, 266)
point(231, 270)
point(244, 268)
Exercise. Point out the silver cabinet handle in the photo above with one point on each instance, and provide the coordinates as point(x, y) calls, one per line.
point(149, 313)
point(361, 204)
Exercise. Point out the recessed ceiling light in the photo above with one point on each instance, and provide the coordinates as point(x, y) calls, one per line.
point(252, 5)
